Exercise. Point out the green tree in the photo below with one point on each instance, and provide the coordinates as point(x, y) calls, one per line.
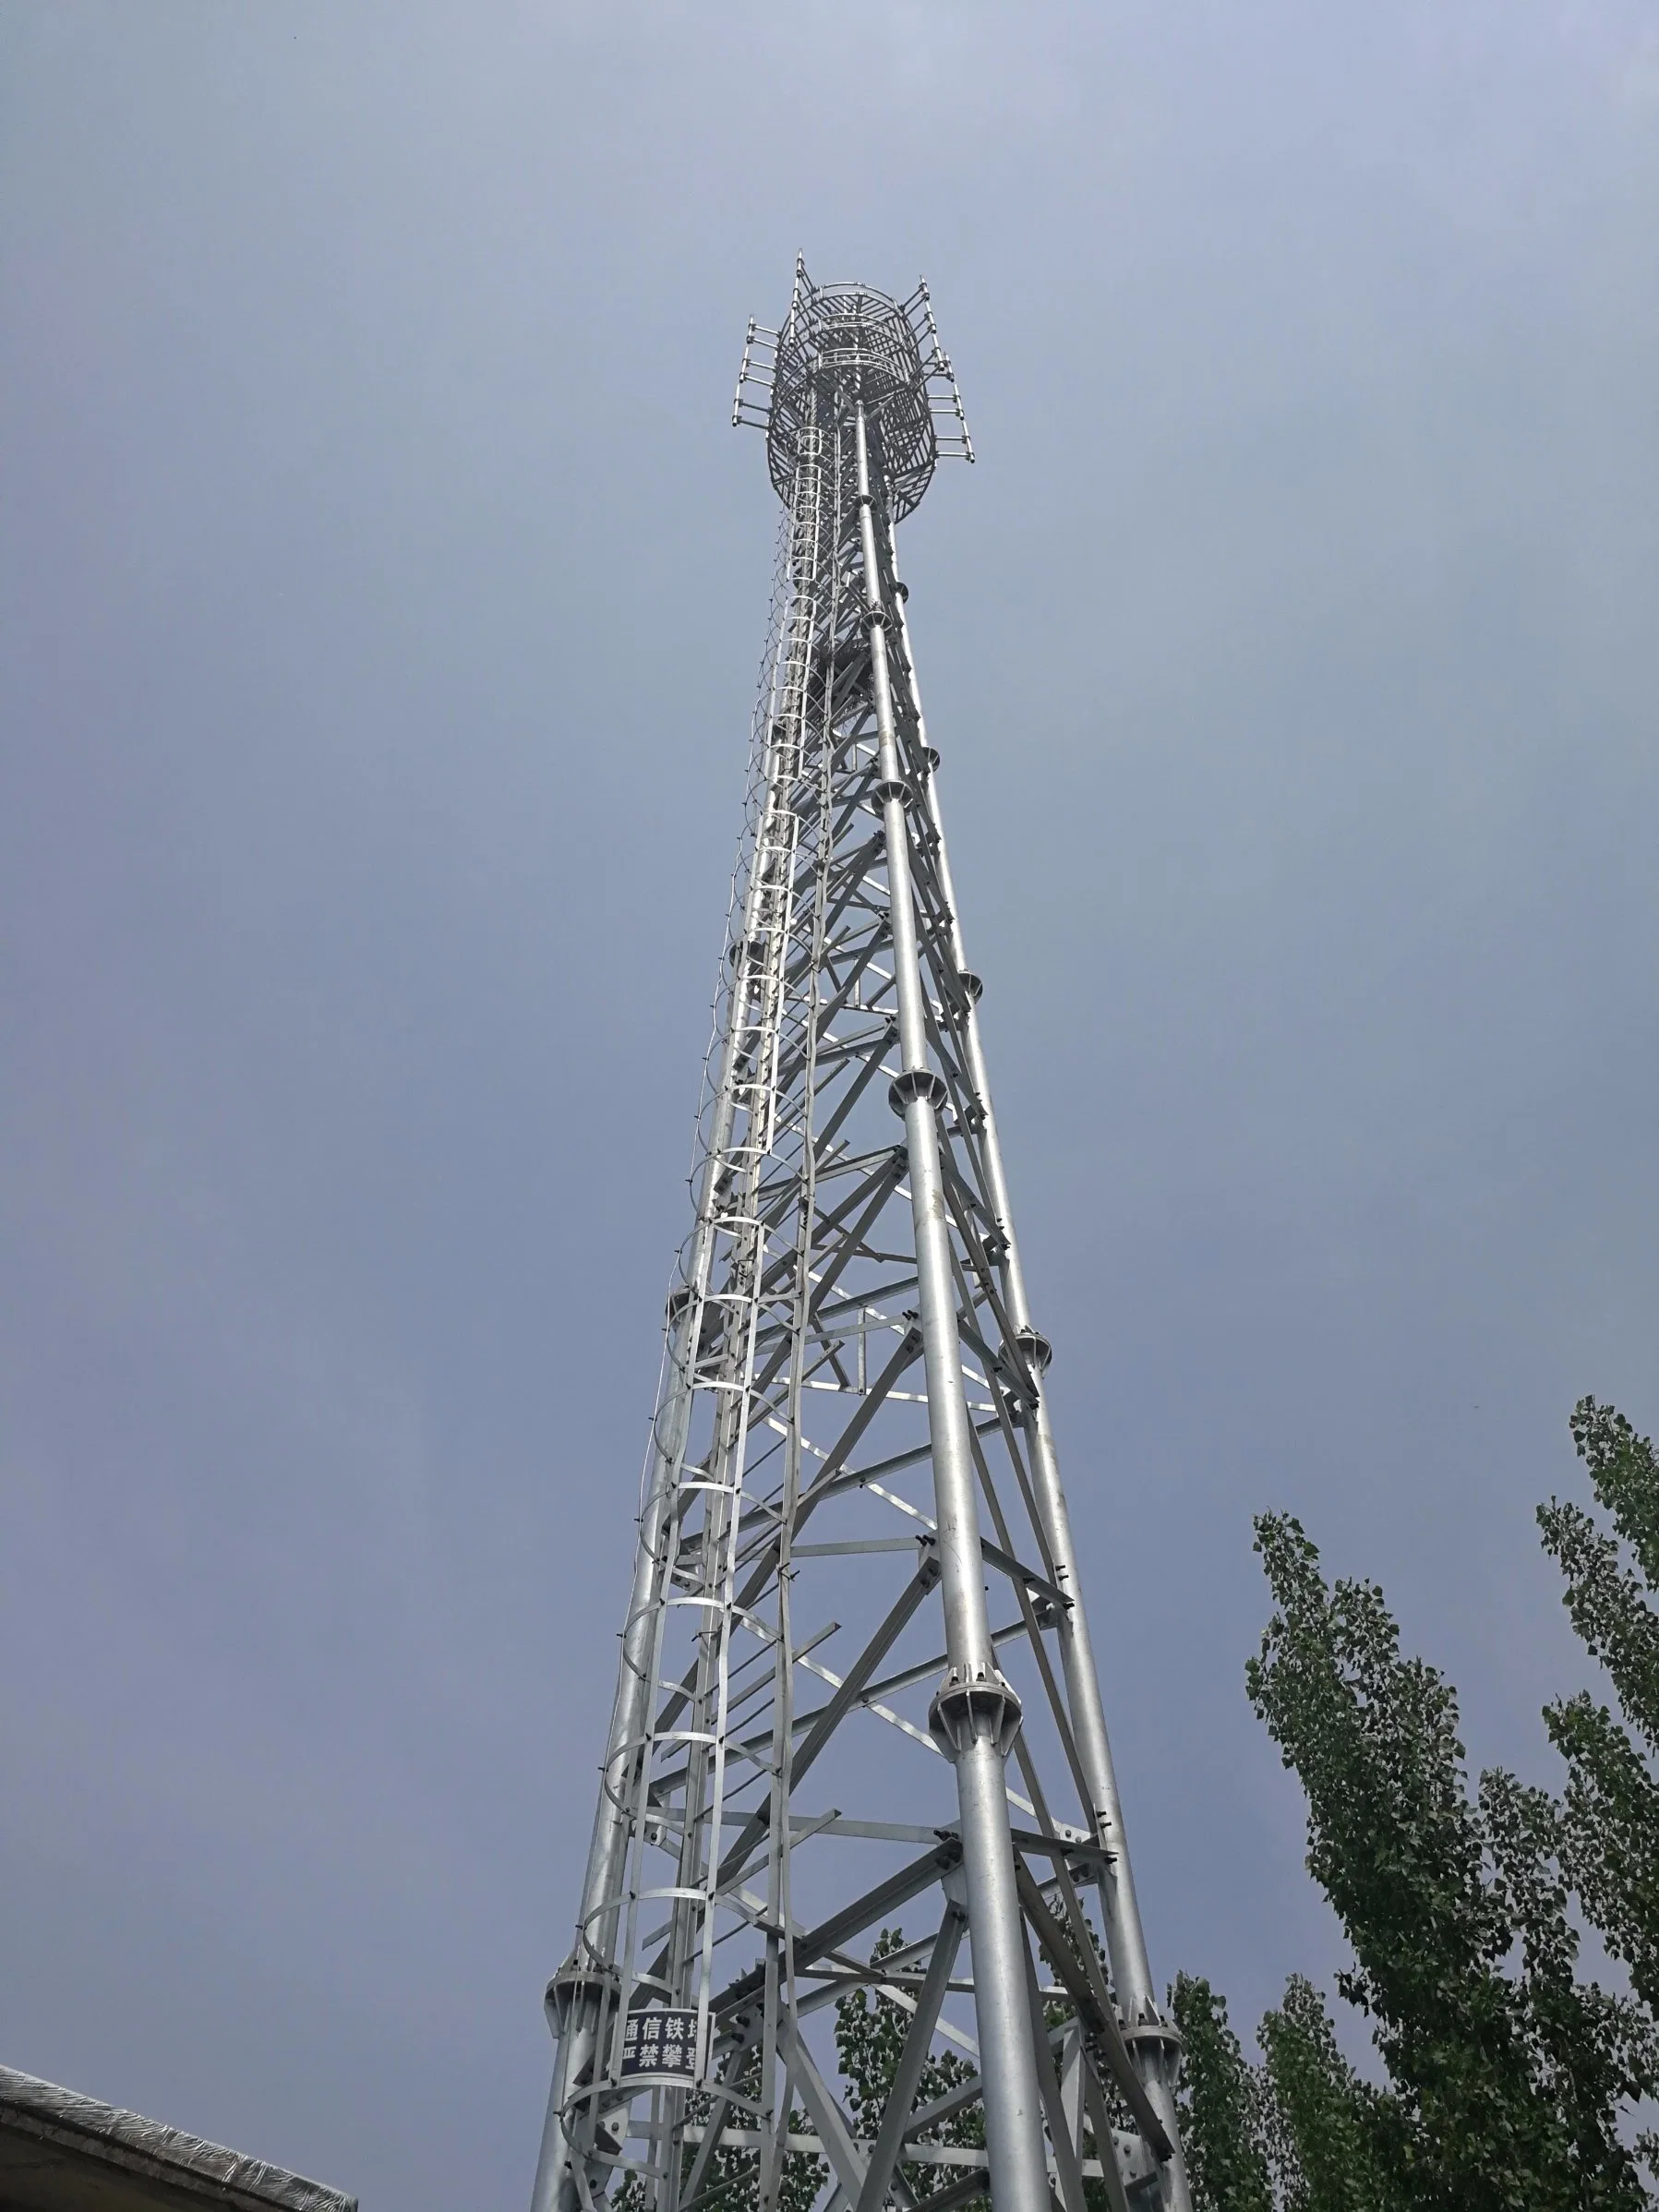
point(1611, 1839)
point(1335, 2143)
point(1223, 2130)
point(1511, 2076)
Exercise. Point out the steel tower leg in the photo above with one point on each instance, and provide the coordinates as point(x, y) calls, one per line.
point(1157, 2050)
point(976, 1712)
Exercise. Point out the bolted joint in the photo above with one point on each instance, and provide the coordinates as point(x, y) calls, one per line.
point(971, 986)
point(893, 786)
point(980, 1708)
point(916, 1083)
point(875, 618)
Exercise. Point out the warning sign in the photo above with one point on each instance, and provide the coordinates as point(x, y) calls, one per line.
point(660, 2046)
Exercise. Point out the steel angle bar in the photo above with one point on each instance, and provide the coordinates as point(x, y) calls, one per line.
point(942, 1043)
point(1060, 1713)
point(871, 1304)
point(1017, 1571)
point(909, 1965)
point(853, 1683)
point(878, 1183)
point(724, 2100)
point(886, 1832)
point(855, 1089)
point(909, 1677)
point(853, 1239)
point(913, 2058)
point(1017, 1459)
point(974, 1217)
point(1105, 2166)
point(852, 1546)
point(834, 1052)
point(1062, 1842)
point(904, 1358)
point(856, 1477)
point(801, 1829)
point(1007, 1560)
point(835, 2130)
point(855, 872)
point(925, 1522)
point(1094, 2006)
point(960, 2193)
point(840, 1328)
point(853, 1920)
point(1059, 1709)
point(1060, 2137)
point(829, 1986)
point(866, 1702)
point(985, 1292)
point(956, 2099)
point(857, 953)
point(829, 1717)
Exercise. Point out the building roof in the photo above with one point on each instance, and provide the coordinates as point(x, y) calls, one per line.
point(62, 2152)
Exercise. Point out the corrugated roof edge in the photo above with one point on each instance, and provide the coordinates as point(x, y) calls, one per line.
point(166, 2153)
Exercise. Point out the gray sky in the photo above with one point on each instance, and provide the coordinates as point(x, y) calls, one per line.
point(382, 598)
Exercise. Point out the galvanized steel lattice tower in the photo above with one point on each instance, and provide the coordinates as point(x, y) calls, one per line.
point(856, 1677)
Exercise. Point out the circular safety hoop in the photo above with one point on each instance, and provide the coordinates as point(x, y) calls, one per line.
point(844, 344)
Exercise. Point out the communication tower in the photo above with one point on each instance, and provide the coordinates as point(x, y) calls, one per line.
point(857, 1692)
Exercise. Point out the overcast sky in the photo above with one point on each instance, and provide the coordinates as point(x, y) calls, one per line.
point(382, 596)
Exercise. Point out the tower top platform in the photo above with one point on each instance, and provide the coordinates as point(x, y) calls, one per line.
point(841, 344)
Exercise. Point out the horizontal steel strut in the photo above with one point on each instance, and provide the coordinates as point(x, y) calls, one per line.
point(851, 1438)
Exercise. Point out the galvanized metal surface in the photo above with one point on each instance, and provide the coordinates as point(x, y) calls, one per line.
point(855, 1626)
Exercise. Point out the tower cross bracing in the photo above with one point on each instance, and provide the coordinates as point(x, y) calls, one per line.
point(856, 1679)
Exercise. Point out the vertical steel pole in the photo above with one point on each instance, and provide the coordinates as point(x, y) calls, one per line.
point(976, 1714)
point(1126, 1939)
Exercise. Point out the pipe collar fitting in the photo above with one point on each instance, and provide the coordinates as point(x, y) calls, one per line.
point(916, 1083)
point(1039, 1351)
point(576, 1985)
point(893, 786)
point(979, 1707)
